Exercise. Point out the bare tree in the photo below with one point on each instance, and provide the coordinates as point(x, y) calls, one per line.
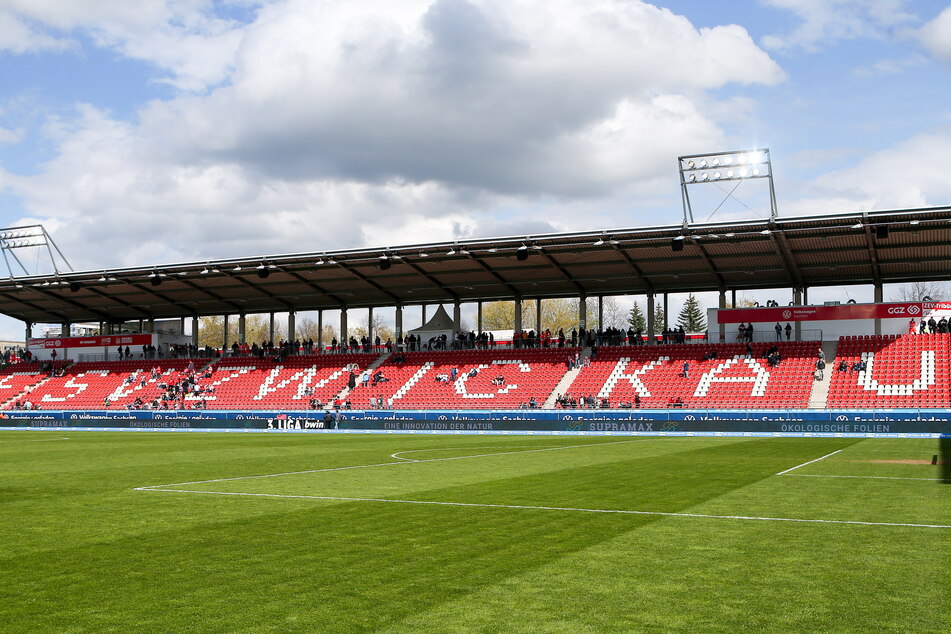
point(918, 291)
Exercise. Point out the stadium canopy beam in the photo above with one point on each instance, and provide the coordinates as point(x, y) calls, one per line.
point(72, 302)
point(488, 269)
point(262, 291)
point(873, 255)
point(648, 285)
point(36, 307)
point(164, 298)
point(432, 279)
point(215, 296)
point(778, 238)
point(118, 300)
point(558, 267)
point(369, 281)
point(303, 280)
point(710, 265)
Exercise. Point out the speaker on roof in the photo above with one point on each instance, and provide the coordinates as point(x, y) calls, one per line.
point(263, 273)
point(676, 245)
point(881, 232)
point(155, 281)
point(74, 287)
point(384, 265)
point(522, 255)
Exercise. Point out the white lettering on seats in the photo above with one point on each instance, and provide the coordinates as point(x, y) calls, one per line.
point(10, 377)
point(304, 377)
point(235, 373)
point(460, 383)
point(759, 381)
point(80, 387)
point(634, 377)
point(925, 379)
point(413, 380)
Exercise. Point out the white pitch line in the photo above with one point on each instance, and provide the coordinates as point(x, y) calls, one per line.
point(808, 463)
point(33, 439)
point(380, 464)
point(815, 475)
point(558, 508)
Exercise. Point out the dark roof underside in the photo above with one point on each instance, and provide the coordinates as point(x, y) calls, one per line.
point(845, 249)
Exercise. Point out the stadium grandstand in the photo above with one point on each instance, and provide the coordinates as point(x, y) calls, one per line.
point(872, 355)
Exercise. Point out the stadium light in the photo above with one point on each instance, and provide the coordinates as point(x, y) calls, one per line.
point(319, 263)
point(725, 167)
point(599, 242)
point(204, 271)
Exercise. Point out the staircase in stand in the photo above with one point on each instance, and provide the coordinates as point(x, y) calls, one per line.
point(565, 381)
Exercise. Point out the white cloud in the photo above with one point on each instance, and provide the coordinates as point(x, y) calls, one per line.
point(935, 36)
point(823, 22)
point(10, 136)
point(344, 124)
point(910, 174)
point(182, 38)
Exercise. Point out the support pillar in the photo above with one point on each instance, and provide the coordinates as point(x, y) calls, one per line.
point(423, 306)
point(270, 336)
point(666, 313)
point(877, 298)
point(538, 316)
point(479, 318)
point(181, 329)
point(141, 324)
point(721, 325)
point(650, 319)
point(64, 329)
point(733, 298)
point(457, 316)
point(518, 319)
point(399, 324)
point(292, 326)
point(320, 332)
point(224, 344)
point(242, 329)
point(797, 301)
point(370, 325)
point(195, 331)
point(29, 335)
point(583, 314)
point(343, 325)
point(152, 324)
point(601, 313)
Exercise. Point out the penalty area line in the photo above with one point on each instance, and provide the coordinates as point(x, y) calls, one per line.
point(555, 508)
point(808, 463)
point(403, 461)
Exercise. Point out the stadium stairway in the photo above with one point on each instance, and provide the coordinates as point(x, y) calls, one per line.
point(820, 389)
point(380, 360)
point(565, 382)
point(25, 386)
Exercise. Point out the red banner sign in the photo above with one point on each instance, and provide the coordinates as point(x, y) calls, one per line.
point(92, 342)
point(913, 310)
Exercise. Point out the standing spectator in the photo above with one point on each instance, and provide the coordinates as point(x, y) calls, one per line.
point(779, 332)
point(788, 330)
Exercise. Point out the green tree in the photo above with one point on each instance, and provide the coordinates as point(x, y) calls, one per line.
point(658, 318)
point(635, 318)
point(691, 316)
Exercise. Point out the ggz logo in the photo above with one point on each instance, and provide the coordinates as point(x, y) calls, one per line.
point(914, 309)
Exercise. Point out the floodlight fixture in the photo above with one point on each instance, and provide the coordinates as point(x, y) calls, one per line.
point(707, 168)
point(319, 263)
point(102, 279)
point(599, 242)
point(451, 251)
point(914, 223)
point(237, 268)
point(522, 248)
point(423, 254)
point(331, 261)
point(261, 267)
point(204, 271)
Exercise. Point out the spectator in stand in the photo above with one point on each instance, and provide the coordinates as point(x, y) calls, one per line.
point(923, 327)
point(943, 325)
point(686, 370)
point(859, 366)
point(749, 331)
point(637, 401)
point(912, 327)
point(932, 325)
point(365, 378)
point(352, 380)
point(788, 330)
point(741, 332)
point(779, 332)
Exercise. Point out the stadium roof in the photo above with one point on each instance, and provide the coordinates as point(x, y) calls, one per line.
point(842, 249)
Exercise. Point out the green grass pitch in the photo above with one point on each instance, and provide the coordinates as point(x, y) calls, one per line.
point(164, 532)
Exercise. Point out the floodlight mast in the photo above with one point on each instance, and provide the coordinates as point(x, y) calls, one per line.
point(13, 238)
point(716, 167)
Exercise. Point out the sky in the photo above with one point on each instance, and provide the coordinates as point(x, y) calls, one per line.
point(176, 130)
